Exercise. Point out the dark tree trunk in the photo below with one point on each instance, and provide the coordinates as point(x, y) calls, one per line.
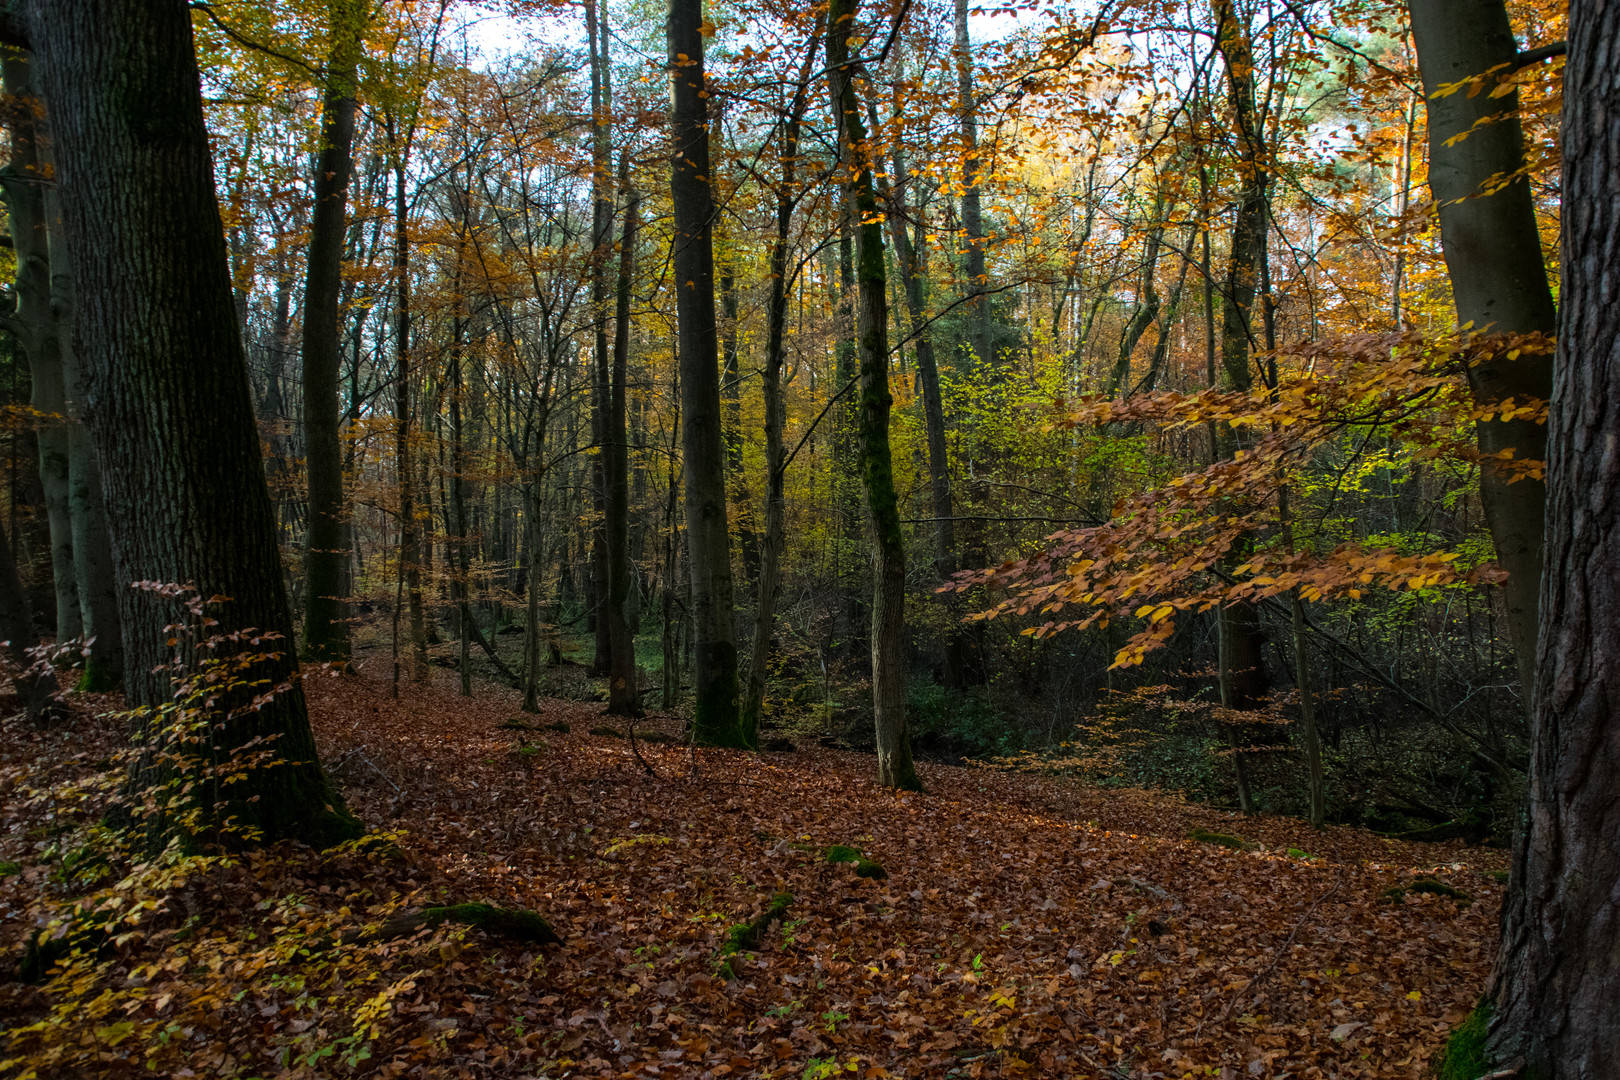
point(715, 719)
point(1498, 276)
point(624, 695)
point(1557, 978)
point(165, 376)
point(410, 546)
point(895, 768)
point(34, 686)
point(326, 554)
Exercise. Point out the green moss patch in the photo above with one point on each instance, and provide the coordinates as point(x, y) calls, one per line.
point(864, 867)
point(746, 936)
point(607, 732)
point(1427, 885)
point(1464, 1057)
point(655, 737)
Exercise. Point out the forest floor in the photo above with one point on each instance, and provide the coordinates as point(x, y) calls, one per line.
point(1028, 926)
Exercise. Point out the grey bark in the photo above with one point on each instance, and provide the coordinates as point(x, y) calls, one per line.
point(1498, 275)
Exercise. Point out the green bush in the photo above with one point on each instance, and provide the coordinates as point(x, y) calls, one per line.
point(959, 722)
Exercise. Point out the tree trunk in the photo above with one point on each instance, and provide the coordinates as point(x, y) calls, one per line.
point(715, 719)
point(770, 564)
point(895, 768)
point(34, 686)
point(410, 548)
point(166, 375)
point(87, 509)
point(624, 695)
point(973, 268)
point(1498, 276)
point(326, 554)
point(601, 249)
point(1242, 677)
point(1557, 980)
point(37, 332)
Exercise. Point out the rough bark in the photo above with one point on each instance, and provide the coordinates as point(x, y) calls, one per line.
point(1498, 276)
point(1557, 975)
point(716, 718)
point(895, 767)
point(326, 547)
point(166, 379)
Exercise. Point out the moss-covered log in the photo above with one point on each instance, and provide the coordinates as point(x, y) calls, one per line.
point(746, 936)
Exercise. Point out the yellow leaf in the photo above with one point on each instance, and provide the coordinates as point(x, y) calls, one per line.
point(1416, 995)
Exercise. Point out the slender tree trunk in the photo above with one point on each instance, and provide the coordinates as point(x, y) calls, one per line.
point(36, 330)
point(895, 768)
point(601, 250)
point(410, 548)
point(1242, 676)
point(165, 369)
point(326, 551)
point(775, 453)
point(716, 719)
point(34, 686)
point(624, 693)
point(973, 265)
point(1498, 275)
point(1556, 980)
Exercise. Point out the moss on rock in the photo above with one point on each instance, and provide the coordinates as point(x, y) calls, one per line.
point(1237, 843)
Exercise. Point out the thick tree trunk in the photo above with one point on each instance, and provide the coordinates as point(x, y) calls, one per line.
point(37, 332)
point(715, 719)
point(326, 549)
point(624, 695)
point(166, 378)
point(895, 768)
point(1498, 276)
point(1557, 975)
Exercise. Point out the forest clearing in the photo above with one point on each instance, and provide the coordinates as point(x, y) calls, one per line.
point(612, 538)
point(1026, 927)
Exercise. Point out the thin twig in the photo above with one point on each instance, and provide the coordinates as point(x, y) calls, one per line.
point(1282, 952)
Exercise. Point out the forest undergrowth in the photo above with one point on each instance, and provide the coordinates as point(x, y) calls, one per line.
point(1020, 926)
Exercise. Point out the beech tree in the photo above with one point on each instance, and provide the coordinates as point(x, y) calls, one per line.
point(716, 717)
point(165, 373)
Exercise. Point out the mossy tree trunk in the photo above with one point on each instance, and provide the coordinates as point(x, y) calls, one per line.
point(895, 767)
point(166, 375)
